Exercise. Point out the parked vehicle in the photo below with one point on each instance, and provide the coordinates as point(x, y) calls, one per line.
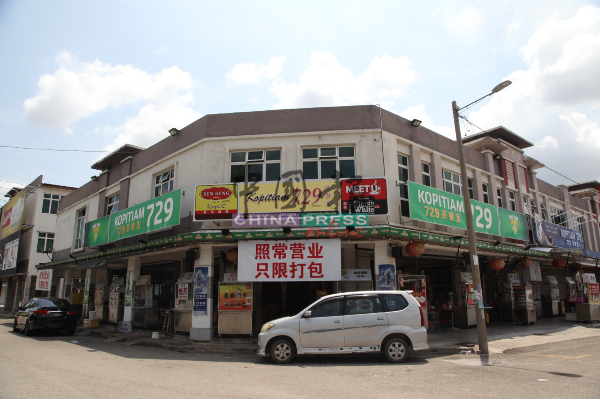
point(390, 322)
point(46, 313)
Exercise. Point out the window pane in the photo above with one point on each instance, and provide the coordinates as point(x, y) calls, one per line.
point(403, 174)
point(171, 186)
point(273, 173)
point(486, 200)
point(346, 169)
point(255, 172)
point(346, 151)
point(238, 173)
point(471, 193)
point(310, 169)
point(358, 305)
point(395, 302)
point(78, 243)
point(447, 175)
point(426, 180)
point(50, 235)
point(49, 245)
point(115, 207)
point(172, 173)
point(54, 207)
point(470, 182)
point(448, 187)
point(328, 152)
point(309, 153)
point(273, 155)
point(457, 190)
point(456, 178)
point(40, 245)
point(42, 235)
point(46, 206)
point(404, 191)
point(157, 179)
point(255, 155)
point(157, 191)
point(238, 157)
point(402, 160)
point(330, 308)
point(485, 188)
point(425, 168)
point(47, 196)
point(404, 209)
point(165, 188)
point(328, 169)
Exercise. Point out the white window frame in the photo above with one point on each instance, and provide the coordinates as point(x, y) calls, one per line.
point(426, 173)
point(455, 184)
point(170, 180)
point(512, 200)
point(471, 192)
point(45, 236)
point(544, 212)
point(52, 199)
point(526, 209)
point(403, 164)
point(110, 206)
point(580, 221)
point(262, 161)
point(484, 190)
point(320, 157)
point(499, 196)
point(558, 216)
point(78, 243)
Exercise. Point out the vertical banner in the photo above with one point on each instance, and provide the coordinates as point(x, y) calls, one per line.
point(128, 289)
point(44, 280)
point(201, 283)
point(387, 277)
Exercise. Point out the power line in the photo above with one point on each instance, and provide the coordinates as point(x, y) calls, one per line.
point(34, 148)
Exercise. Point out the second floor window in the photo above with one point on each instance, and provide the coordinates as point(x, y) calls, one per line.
point(544, 212)
point(163, 183)
point(328, 163)
point(50, 203)
point(255, 166)
point(452, 183)
point(403, 178)
point(486, 197)
point(558, 216)
point(579, 226)
point(112, 206)
point(512, 200)
point(45, 242)
point(499, 194)
point(526, 206)
point(79, 229)
point(470, 181)
point(426, 174)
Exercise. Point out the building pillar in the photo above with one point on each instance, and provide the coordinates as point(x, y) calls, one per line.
point(8, 295)
point(88, 294)
point(18, 293)
point(477, 190)
point(26, 289)
point(67, 287)
point(383, 255)
point(437, 180)
point(533, 185)
point(414, 162)
point(492, 187)
point(202, 325)
point(134, 266)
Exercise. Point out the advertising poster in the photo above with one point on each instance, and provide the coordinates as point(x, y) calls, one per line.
point(235, 297)
point(44, 280)
point(96, 232)
point(8, 254)
point(512, 224)
point(547, 234)
point(216, 201)
point(182, 291)
point(201, 288)
point(289, 260)
point(12, 215)
point(364, 196)
point(387, 277)
point(289, 196)
point(421, 298)
point(356, 275)
point(594, 296)
point(99, 297)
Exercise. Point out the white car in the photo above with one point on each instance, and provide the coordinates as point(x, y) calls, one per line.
point(390, 322)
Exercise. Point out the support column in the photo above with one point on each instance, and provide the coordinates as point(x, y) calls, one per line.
point(493, 188)
point(437, 180)
point(477, 190)
point(134, 265)
point(67, 287)
point(9, 297)
point(414, 162)
point(26, 289)
point(88, 294)
point(202, 325)
point(383, 255)
point(568, 213)
point(18, 292)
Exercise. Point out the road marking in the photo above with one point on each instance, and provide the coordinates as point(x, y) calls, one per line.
point(546, 355)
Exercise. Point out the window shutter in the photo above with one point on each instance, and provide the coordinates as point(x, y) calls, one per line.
point(523, 178)
point(504, 170)
point(510, 172)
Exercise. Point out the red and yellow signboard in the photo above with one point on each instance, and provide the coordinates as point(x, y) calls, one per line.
point(216, 201)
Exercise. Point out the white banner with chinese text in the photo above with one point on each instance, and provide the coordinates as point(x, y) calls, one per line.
point(289, 260)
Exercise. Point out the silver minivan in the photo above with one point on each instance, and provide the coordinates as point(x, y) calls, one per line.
point(389, 322)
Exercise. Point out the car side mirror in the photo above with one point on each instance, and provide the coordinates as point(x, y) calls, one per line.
point(307, 314)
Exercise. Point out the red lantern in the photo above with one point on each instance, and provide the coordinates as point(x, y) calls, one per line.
point(232, 255)
point(558, 263)
point(415, 248)
point(525, 262)
point(497, 264)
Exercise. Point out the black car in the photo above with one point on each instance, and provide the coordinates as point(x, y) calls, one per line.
point(46, 313)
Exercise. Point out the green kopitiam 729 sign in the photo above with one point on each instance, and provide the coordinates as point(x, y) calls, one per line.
point(158, 213)
point(438, 207)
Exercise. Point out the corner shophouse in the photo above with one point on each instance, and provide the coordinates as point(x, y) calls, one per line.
point(305, 149)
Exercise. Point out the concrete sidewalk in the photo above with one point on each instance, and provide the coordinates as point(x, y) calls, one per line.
point(501, 337)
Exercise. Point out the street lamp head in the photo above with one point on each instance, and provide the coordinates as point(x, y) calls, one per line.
point(501, 86)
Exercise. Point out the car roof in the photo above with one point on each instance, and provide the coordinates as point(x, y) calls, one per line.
point(365, 292)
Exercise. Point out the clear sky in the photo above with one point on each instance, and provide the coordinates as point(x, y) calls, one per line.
point(93, 75)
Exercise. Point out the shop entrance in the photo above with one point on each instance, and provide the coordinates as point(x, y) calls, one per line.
point(282, 299)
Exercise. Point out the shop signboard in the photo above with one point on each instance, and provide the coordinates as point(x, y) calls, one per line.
point(364, 196)
point(334, 220)
point(289, 260)
point(12, 215)
point(182, 291)
point(439, 207)
point(235, 297)
point(44, 280)
point(356, 275)
point(229, 277)
point(216, 201)
point(297, 220)
point(594, 296)
point(201, 287)
point(96, 232)
point(289, 196)
point(387, 277)
point(552, 235)
point(421, 298)
point(9, 247)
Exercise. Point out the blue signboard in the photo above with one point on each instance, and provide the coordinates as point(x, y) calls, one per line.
point(201, 290)
point(387, 277)
point(551, 235)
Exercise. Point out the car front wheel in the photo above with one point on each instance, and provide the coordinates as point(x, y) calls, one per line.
point(282, 351)
point(395, 350)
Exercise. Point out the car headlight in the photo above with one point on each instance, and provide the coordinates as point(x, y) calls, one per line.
point(266, 327)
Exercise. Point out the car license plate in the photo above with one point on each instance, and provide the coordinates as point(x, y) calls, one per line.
point(56, 315)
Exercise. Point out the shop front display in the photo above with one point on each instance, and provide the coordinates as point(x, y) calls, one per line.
point(550, 305)
point(184, 302)
point(464, 312)
point(101, 297)
point(235, 308)
point(116, 301)
point(589, 309)
point(144, 314)
point(507, 308)
point(417, 284)
point(524, 305)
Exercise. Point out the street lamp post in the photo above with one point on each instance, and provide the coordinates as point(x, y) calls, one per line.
point(481, 330)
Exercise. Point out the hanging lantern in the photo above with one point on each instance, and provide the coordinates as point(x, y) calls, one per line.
point(525, 262)
point(497, 264)
point(415, 248)
point(232, 255)
point(558, 263)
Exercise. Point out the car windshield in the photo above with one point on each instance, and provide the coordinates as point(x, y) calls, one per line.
point(60, 303)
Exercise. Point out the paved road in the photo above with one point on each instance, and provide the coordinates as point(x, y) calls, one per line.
point(52, 366)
